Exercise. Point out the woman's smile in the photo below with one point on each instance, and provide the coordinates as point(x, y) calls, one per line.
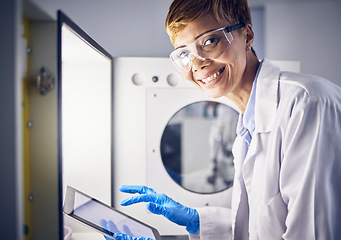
point(212, 79)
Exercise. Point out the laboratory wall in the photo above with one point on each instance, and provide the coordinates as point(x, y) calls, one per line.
point(304, 30)
point(130, 28)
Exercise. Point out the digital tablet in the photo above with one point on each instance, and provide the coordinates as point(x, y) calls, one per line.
point(91, 212)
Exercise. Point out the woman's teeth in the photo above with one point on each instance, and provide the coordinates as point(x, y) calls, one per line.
point(213, 77)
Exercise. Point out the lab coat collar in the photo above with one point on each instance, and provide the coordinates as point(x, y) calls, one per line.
point(266, 96)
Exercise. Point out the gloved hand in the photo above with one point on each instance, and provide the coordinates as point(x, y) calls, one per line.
point(110, 228)
point(122, 236)
point(163, 205)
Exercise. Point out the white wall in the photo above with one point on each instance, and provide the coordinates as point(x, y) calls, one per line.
point(308, 32)
point(123, 27)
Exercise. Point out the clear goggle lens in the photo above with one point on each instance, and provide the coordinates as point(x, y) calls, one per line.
point(208, 46)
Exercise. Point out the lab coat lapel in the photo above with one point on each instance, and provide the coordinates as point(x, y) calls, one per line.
point(266, 104)
point(266, 97)
point(265, 108)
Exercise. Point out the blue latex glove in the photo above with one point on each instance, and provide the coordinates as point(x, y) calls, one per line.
point(163, 205)
point(116, 233)
point(122, 236)
point(108, 226)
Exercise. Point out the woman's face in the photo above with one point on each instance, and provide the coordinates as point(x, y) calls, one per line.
point(230, 64)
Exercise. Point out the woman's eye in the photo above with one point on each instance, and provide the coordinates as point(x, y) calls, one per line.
point(209, 41)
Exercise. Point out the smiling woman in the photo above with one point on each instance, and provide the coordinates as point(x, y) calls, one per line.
point(282, 143)
point(231, 58)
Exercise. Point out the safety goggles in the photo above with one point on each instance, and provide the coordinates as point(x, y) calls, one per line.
point(210, 45)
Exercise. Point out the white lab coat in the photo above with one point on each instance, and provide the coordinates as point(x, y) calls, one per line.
point(287, 185)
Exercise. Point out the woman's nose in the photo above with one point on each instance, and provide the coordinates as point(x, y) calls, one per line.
point(198, 64)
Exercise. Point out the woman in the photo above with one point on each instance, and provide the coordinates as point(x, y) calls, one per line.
point(287, 156)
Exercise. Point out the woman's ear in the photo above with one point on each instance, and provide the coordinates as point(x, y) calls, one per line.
point(249, 36)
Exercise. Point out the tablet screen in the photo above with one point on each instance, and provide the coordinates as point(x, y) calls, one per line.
point(91, 212)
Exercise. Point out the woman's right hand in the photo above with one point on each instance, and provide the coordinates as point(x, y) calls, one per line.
point(161, 204)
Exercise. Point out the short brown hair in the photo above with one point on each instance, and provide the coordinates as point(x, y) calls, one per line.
point(183, 12)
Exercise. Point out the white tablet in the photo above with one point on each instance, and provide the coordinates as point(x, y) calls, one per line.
point(91, 212)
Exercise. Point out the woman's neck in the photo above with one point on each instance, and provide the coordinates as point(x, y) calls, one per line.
point(241, 96)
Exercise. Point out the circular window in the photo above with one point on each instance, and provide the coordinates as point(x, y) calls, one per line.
point(196, 146)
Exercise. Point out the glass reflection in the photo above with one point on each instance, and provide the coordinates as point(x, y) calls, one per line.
point(196, 146)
